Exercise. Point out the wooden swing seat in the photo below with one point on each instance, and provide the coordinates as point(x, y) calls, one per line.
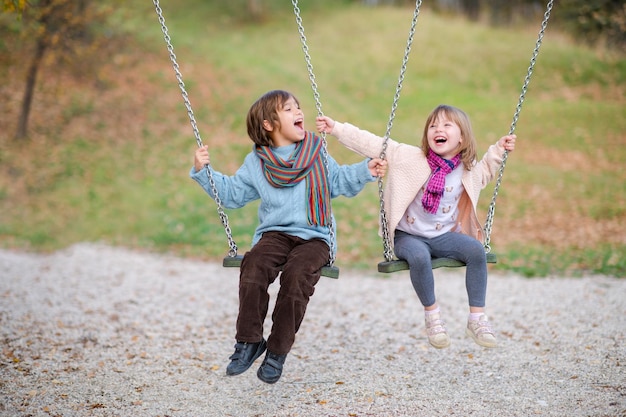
point(400, 265)
point(235, 262)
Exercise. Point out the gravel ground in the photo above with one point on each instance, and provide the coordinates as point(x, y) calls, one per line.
point(99, 331)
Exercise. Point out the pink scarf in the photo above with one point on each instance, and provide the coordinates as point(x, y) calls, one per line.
point(434, 190)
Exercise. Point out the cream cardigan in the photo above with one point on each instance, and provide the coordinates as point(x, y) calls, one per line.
point(408, 172)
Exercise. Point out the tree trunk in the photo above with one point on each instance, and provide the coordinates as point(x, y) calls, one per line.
point(501, 12)
point(31, 81)
point(471, 9)
point(46, 6)
point(255, 9)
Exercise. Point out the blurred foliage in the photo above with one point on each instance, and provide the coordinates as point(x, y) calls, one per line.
point(595, 22)
point(68, 33)
point(592, 21)
point(13, 6)
point(110, 150)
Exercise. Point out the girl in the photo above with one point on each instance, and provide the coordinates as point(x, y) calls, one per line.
point(430, 200)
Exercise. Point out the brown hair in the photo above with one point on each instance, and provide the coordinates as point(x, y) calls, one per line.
point(266, 108)
point(467, 147)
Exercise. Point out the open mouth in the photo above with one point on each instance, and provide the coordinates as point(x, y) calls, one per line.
point(440, 139)
point(299, 124)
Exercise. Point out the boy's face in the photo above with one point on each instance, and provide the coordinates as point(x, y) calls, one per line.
point(444, 137)
point(291, 129)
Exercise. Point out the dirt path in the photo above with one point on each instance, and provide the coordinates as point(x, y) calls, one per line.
point(99, 331)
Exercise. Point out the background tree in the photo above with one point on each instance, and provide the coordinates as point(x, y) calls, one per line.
point(16, 6)
point(63, 29)
point(595, 21)
point(591, 21)
point(471, 9)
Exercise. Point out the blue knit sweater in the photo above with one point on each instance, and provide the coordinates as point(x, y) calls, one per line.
point(282, 209)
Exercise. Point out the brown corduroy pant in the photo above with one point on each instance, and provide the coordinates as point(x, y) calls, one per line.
point(301, 262)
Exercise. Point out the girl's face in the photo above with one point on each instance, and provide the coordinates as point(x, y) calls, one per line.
point(444, 137)
point(291, 129)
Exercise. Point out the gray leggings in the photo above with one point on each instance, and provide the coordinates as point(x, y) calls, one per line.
point(418, 251)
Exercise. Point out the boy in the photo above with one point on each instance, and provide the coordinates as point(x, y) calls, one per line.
point(288, 172)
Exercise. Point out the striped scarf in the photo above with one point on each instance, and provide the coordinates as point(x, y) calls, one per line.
point(305, 163)
point(434, 190)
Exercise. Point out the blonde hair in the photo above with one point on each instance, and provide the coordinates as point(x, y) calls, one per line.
point(266, 108)
point(467, 147)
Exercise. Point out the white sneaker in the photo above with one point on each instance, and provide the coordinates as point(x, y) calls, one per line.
point(436, 331)
point(480, 330)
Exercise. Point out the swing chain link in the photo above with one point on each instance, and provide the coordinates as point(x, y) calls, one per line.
point(220, 209)
point(383, 216)
point(318, 106)
point(492, 206)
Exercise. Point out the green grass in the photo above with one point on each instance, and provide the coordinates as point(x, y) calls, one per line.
point(126, 182)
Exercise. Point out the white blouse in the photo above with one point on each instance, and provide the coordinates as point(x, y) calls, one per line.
point(417, 221)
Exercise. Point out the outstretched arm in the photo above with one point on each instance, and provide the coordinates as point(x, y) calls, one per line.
point(377, 166)
point(492, 160)
point(234, 191)
point(360, 141)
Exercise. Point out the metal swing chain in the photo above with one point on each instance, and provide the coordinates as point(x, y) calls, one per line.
point(518, 109)
point(220, 209)
point(383, 216)
point(318, 106)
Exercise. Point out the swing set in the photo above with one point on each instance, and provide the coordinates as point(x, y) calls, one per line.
point(390, 264)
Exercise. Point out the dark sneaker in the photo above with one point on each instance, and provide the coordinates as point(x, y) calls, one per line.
point(272, 367)
point(244, 356)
